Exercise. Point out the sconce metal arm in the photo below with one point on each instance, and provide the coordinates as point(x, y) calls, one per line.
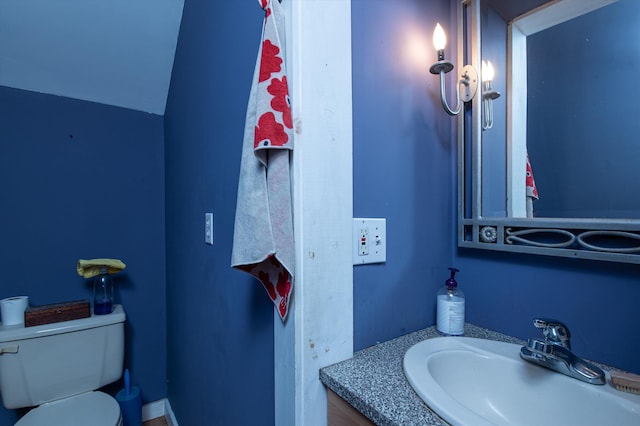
point(468, 79)
point(488, 96)
point(443, 99)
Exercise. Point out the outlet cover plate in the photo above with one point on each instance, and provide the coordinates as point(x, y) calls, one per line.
point(369, 240)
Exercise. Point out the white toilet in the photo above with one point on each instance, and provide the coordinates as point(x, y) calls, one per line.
point(58, 367)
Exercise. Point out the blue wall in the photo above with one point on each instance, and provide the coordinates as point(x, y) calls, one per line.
point(220, 321)
point(403, 154)
point(404, 157)
point(597, 300)
point(84, 180)
point(403, 167)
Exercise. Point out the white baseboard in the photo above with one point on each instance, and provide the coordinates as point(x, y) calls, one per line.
point(157, 409)
point(153, 410)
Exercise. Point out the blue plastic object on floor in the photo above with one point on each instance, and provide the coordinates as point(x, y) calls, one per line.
point(130, 401)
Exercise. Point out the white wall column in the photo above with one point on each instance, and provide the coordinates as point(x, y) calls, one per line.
point(319, 330)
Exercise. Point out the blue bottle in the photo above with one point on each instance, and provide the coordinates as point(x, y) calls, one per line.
point(103, 293)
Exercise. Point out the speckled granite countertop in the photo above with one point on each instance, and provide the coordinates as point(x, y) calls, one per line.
point(373, 380)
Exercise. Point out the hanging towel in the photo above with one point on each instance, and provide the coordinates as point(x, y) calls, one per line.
point(263, 231)
point(532, 191)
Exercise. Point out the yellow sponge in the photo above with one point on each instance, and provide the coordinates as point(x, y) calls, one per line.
point(91, 268)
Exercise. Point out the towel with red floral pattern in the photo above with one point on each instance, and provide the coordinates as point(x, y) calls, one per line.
point(263, 242)
point(532, 191)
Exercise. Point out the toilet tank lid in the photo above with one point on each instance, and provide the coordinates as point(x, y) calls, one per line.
point(12, 333)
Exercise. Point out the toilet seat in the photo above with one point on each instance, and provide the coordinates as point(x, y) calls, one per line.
point(90, 408)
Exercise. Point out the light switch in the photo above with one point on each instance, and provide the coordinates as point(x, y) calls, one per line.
point(208, 228)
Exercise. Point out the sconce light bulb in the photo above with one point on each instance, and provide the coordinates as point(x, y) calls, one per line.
point(487, 71)
point(439, 38)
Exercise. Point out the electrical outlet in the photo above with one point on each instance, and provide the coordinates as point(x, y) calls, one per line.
point(369, 241)
point(208, 228)
point(363, 244)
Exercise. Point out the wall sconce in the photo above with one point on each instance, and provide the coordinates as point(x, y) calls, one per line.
point(468, 76)
point(488, 95)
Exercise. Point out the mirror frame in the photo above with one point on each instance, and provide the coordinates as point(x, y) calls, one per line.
point(616, 240)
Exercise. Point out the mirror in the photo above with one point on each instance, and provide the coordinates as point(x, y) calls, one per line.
point(563, 69)
point(586, 146)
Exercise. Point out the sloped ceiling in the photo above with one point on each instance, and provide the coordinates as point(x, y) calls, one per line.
point(116, 52)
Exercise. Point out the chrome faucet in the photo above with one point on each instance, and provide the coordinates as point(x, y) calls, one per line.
point(554, 353)
point(554, 331)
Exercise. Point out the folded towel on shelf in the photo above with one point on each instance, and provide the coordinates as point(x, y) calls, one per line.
point(92, 267)
point(263, 242)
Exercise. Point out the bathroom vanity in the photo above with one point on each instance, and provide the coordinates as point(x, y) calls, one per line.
point(448, 374)
point(373, 382)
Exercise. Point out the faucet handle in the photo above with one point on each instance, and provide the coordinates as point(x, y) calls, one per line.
point(554, 331)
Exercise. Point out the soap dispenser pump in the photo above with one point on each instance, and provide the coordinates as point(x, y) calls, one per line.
point(103, 293)
point(450, 308)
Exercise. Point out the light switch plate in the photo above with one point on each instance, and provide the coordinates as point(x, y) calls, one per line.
point(208, 228)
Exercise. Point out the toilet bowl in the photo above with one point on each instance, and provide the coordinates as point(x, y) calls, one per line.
point(90, 408)
point(57, 368)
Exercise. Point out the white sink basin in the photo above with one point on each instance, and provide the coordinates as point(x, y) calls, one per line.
point(476, 382)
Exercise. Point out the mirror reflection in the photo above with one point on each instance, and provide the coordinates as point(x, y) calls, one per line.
point(577, 98)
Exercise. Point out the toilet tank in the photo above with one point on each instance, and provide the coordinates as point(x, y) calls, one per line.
point(52, 361)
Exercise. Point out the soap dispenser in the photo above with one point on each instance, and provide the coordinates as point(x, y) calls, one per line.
point(103, 293)
point(450, 308)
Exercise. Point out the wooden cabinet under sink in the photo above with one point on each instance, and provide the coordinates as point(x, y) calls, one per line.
point(341, 413)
